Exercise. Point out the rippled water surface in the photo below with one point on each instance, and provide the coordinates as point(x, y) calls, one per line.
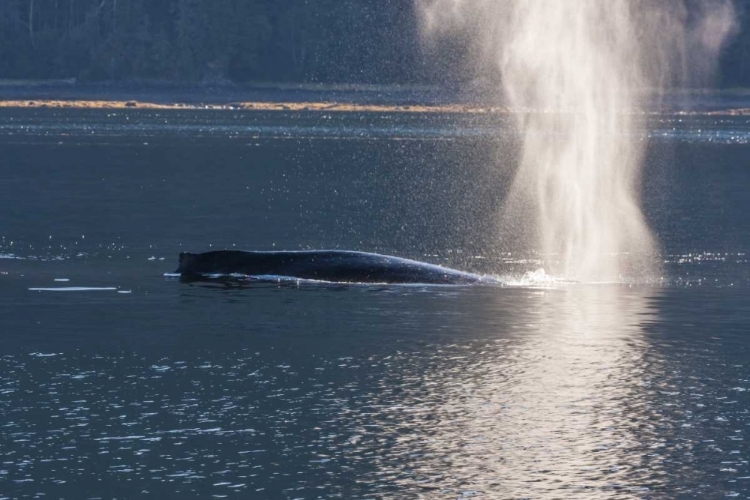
point(119, 382)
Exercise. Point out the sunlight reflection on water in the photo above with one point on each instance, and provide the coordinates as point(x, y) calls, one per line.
point(180, 391)
point(549, 409)
point(477, 392)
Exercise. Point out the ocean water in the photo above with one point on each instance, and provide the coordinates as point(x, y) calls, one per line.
point(117, 381)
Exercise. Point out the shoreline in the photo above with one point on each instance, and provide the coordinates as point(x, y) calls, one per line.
point(309, 106)
point(280, 97)
point(251, 106)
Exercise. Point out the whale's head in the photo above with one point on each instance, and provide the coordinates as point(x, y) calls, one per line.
point(186, 264)
point(214, 262)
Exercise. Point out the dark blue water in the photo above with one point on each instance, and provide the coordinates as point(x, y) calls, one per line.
point(149, 387)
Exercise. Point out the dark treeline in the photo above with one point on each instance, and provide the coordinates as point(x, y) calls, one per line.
point(347, 41)
point(266, 40)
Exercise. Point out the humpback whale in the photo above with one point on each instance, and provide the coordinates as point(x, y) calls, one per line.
point(338, 266)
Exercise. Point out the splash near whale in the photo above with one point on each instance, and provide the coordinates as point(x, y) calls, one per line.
point(576, 75)
point(335, 266)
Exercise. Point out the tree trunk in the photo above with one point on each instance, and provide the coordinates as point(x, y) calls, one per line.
point(31, 21)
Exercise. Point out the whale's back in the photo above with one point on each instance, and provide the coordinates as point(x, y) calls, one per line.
point(325, 265)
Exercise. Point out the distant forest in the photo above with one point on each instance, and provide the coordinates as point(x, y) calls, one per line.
point(326, 41)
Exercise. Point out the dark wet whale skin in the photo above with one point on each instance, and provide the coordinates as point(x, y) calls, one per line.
point(325, 265)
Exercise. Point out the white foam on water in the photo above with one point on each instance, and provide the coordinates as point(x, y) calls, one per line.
point(538, 278)
point(119, 438)
point(73, 289)
point(62, 279)
point(279, 278)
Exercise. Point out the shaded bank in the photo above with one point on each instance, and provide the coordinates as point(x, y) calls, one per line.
point(280, 96)
point(717, 109)
point(253, 106)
